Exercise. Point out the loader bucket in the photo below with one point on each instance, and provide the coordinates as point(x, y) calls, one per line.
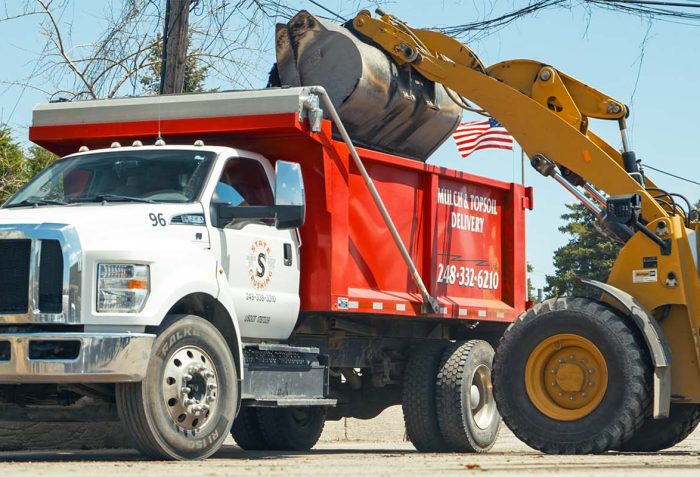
point(384, 106)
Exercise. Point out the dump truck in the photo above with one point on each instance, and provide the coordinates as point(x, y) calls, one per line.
point(583, 374)
point(204, 264)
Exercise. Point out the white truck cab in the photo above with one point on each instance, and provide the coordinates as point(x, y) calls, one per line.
point(117, 240)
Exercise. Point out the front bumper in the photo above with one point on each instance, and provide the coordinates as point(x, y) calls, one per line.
point(96, 357)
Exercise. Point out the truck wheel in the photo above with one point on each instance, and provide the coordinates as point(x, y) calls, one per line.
point(291, 428)
point(572, 377)
point(659, 434)
point(418, 400)
point(466, 409)
point(185, 406)
point(246, 430)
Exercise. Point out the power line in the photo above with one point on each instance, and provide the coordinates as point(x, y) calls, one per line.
point(647, 166)
point(328, 10)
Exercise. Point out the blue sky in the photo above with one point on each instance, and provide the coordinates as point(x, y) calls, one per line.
point(602, 50)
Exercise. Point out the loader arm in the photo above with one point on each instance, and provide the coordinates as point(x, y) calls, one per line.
point(545, 110)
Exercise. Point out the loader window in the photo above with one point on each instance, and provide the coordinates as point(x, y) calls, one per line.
point(244, 182)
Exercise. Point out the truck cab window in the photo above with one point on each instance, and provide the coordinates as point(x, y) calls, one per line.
point(243, 182)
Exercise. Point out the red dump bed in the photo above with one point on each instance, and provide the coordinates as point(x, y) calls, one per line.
point(466, 233)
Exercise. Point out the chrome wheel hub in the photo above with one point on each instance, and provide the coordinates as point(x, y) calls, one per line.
point(190, 387)
point(482, 404)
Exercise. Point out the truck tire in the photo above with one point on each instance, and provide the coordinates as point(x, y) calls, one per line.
point(572, 377)
point(418, 399)
point(291, 428)
point(659, 434)
point(466, 409)
point(185, 406)
point(246, 430)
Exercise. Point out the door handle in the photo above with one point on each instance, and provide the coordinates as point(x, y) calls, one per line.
point(288, 254)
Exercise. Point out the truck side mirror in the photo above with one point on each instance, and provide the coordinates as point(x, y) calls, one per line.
point(290, 203)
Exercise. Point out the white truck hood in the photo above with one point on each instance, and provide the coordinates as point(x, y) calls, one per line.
point(98, 225)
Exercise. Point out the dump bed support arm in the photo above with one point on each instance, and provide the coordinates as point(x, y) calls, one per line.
point(430, 304)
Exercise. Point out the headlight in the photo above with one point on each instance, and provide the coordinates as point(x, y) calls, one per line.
point(122, 287)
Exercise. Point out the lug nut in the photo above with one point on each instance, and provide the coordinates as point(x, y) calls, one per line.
point(188, 402)
point(211, 398)
point(554, 383)
point(572, 357)
point(192, 369)
point(187, 377)
point(211, 386)
point(185, 390)
point(561, 394)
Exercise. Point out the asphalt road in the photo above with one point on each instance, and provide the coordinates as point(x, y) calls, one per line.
point(359, 448)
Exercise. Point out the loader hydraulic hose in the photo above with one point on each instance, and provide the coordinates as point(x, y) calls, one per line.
point(430, 301)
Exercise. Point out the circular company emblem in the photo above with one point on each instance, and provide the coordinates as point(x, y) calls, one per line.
point(260, 264)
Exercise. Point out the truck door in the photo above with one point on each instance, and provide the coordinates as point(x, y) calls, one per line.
point(261, 262)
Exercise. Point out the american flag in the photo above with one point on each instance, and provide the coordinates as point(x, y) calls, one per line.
point(485, 134)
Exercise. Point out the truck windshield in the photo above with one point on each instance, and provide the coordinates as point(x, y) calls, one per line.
point(120, 176)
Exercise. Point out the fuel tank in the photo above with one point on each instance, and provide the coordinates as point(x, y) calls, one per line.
point(384, 106)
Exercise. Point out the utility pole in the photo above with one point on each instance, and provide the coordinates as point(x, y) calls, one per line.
point(175, 36)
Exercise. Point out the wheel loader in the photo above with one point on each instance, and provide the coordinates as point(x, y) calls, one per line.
point(574, 375)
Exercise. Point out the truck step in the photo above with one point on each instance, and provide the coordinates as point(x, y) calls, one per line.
point(278, 375)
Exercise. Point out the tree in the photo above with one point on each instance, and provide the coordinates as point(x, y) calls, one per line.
point(530, 287)
point(16, 166)
point(589, 254)
point(195, 72)
point(226, 36)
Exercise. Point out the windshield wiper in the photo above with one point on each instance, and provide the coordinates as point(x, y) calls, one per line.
point(112, 198)
point(35, 202)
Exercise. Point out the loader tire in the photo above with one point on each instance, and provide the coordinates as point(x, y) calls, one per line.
point(291, 428)
point(659, 434)
point(246, 430)
point(165, 414)
point(572, 377)
point(418, 398)
point(466, 409)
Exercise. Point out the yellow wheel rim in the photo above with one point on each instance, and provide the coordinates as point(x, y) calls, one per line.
point(566, 377)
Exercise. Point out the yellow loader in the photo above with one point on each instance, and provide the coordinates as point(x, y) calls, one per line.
point(576, 375)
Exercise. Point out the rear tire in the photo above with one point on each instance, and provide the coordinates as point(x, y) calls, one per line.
point(246, 430)
point(169, 415)
point(604, 411)
point(466, 409)
point(419, 406)
point(659, 434)
point(291, 428)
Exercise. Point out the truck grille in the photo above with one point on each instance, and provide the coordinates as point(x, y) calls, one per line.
point(51, 277)
point(14, 275)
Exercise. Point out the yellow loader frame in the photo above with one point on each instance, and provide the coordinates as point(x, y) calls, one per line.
point(655, 277)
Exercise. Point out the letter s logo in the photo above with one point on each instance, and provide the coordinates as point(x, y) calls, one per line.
point(260, 271)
